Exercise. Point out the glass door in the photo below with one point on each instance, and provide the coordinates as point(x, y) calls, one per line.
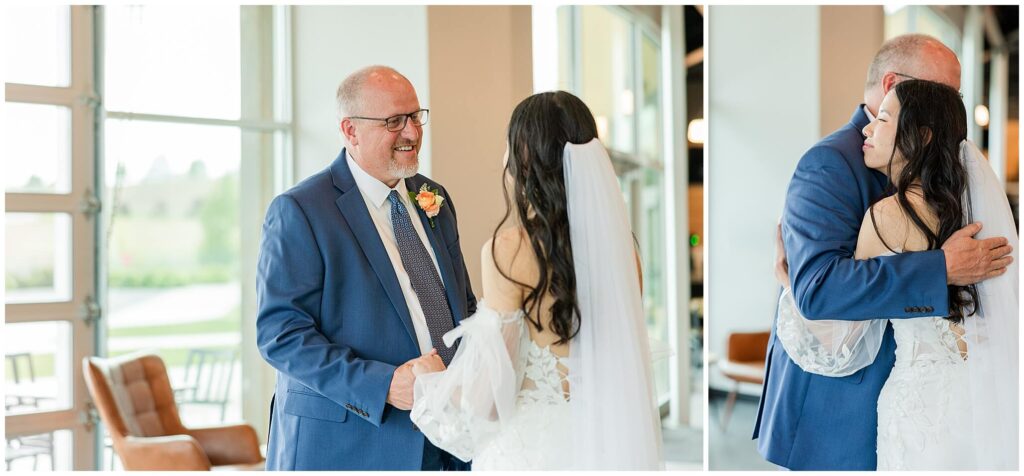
point(50, 225)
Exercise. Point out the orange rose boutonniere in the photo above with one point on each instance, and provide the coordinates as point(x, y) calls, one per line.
point(429, 201)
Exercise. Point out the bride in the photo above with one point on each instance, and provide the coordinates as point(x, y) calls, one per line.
point(950, 402)
point(554, 369)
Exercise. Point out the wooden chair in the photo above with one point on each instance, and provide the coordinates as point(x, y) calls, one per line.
point(744, 364)
point(135, 401)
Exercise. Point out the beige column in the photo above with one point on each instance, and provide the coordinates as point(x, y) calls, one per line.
point(850, 37)
point(480, 63)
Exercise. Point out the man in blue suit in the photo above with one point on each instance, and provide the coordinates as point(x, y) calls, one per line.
point(356, 281)
point(810, 422)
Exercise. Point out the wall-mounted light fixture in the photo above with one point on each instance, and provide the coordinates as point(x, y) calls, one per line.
point(697, 131)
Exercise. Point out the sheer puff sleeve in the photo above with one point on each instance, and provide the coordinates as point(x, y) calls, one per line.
point(827, 347)
point(461, 408)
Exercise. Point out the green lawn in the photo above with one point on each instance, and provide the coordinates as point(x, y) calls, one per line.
point(228, 323)
point(176, 357)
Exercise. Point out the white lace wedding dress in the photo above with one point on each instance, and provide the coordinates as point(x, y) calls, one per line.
point(924, 415)
point(923, 420)
point(460, 419)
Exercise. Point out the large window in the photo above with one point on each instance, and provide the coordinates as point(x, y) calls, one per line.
point(196, 123)
point(614, 64)
point(129, 188)
point(50, 226)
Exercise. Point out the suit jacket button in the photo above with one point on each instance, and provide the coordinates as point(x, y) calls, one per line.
point(906, 309)
point(930, 309)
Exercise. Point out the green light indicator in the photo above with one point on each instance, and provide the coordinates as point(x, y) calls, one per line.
point(694, 240)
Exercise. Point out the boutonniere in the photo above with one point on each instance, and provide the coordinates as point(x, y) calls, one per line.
point(429, 201)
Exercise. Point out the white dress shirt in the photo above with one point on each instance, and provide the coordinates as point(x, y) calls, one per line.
point(867, 112)
point(375, 194)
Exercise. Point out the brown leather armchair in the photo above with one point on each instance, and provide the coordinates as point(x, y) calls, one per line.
point(744, 364)
point(134, 398)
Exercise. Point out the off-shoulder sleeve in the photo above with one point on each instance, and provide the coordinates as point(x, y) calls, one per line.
point(827, 347)
point(461, 408)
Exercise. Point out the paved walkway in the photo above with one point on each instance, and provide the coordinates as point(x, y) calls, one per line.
point(140, 307)
point(183, 341)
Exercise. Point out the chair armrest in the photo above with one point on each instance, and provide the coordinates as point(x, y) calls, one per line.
point(230, 444)
point(163, 453)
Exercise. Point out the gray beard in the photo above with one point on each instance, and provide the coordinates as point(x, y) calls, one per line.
point(400, 173)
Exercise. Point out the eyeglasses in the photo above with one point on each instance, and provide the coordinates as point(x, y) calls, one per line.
point(919, 79)
point(397, 123)
point(905, 76)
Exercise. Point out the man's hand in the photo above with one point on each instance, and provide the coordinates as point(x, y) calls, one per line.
point(428, 364)
point(781, 265)
point(969, 261)
point(400, 392)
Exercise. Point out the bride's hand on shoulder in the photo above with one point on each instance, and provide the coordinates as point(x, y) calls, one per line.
point(429, 363)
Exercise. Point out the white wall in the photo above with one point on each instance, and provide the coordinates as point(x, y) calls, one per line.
point(329, 42)
point(763, 103)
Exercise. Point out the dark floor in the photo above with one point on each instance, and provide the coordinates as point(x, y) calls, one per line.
point(731, 448)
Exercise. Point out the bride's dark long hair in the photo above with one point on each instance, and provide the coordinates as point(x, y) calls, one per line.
point(540, 127)
point(932, 123)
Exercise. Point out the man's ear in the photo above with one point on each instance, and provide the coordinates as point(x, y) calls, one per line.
point(888, 82)
point(349, 131)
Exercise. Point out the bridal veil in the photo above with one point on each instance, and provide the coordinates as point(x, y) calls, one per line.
point(615, 419)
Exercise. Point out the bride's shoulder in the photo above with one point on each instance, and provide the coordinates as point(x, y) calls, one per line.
point(507, 247)
point(505, 259)
point(887, 227)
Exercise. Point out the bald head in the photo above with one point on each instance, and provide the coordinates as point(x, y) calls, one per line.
point(909, 56)
point(357, 88)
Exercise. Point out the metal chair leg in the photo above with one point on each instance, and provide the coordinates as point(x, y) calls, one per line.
point(730, 403)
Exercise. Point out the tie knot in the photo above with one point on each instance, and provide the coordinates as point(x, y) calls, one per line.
point(394, 199)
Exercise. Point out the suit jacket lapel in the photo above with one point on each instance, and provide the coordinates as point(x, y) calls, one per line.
point(444, 260)
point(353, 208)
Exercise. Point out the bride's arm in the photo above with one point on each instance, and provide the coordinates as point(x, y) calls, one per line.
point(501, 293)
point(839, 348)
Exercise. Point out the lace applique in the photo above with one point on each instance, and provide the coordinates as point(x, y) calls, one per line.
point(826, 347)
point(543, 376)
point(500, 402)
point(921, 406)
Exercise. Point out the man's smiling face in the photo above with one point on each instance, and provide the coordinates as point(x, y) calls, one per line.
point(385, 155)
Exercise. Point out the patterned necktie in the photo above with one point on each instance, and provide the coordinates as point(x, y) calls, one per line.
point(423, 276)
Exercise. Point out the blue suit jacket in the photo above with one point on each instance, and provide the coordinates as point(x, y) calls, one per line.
point(807, 421)
point(334, 323)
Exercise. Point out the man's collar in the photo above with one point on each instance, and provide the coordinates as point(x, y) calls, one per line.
point(867, 112)
point(375, 190)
